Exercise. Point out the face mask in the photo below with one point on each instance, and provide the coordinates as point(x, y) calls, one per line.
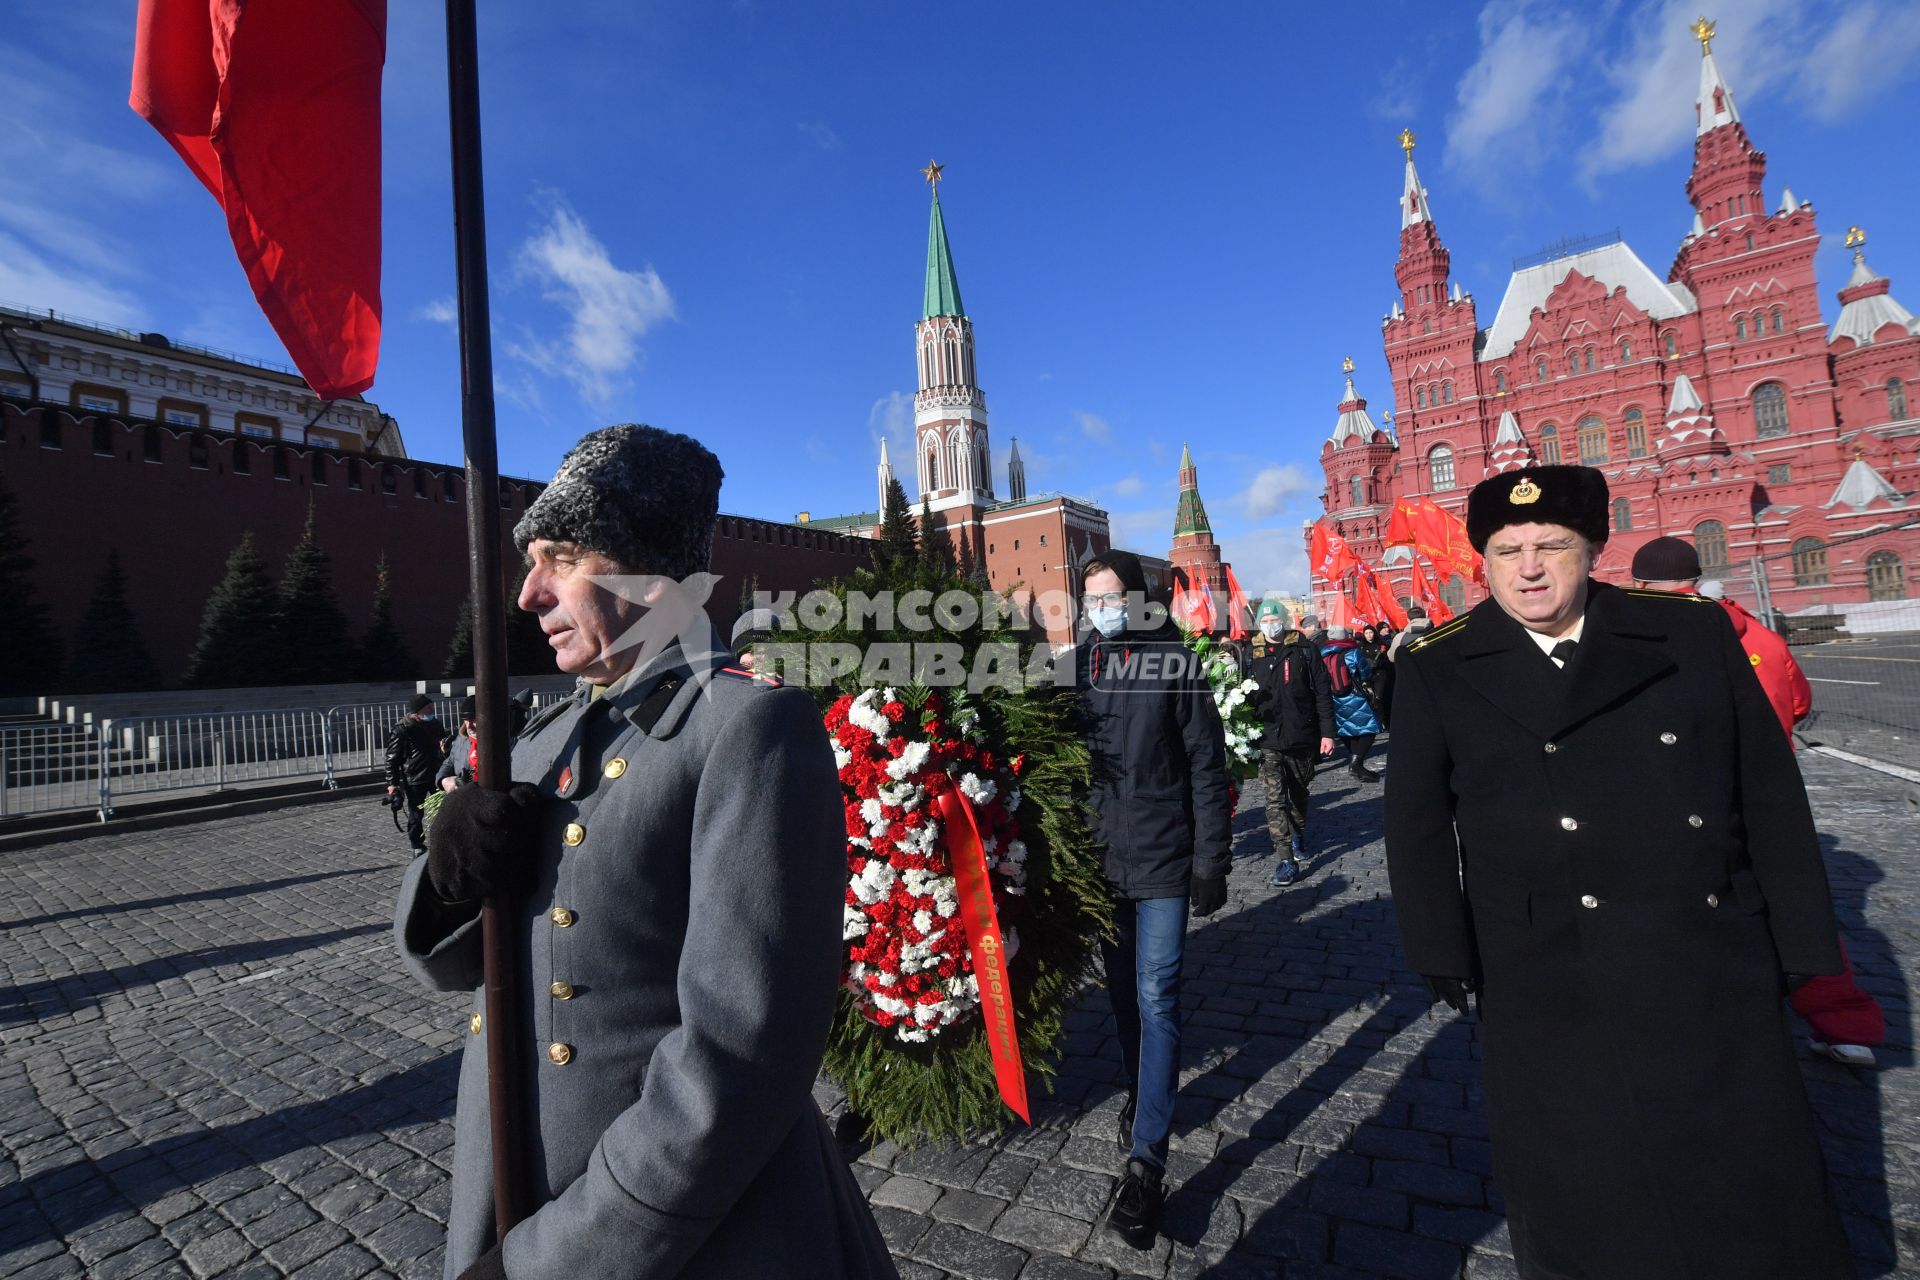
point(1271, 628)
point(1108, 620)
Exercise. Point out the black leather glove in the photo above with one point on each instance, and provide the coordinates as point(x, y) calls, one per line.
point(481, 843)
point(1454, 992)
point(488, 1266)
point(1795, 981)
point(1208, 896)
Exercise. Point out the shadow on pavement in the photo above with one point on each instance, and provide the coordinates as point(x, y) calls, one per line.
point(204, 895)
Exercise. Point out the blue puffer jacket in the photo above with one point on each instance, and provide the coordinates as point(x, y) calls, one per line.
point(1353, 714)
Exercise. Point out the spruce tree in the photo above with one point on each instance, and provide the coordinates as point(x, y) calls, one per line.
point(383, 653)
point(459, 663)
point(29, 646)
point(936, 549)
point(528, 653)
point(896, 543)
point(239, 626)
point(315, 645)
point(109, 655)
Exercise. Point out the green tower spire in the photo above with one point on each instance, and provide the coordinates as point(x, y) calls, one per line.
point(943, 287)
point(1190, 517)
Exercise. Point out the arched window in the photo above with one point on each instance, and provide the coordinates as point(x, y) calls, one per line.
point(317, 468)
point(1573, 362)
point(1810, 563)
point(953, 461)
point(49, 430)
point(1740, 328)
point(1896, 399)
point(1500, 381)
point(1454, 593)
point(1353, 492)
point(242, 458)
point(390, 483)
point(1710, 543)
point(1440, 466)
point(1886, 577)
point(353, 474)
point(280, 471)
point(1550, 445)
point(1589, 359)
point(1636, 425)
point(150, 443)
point(1779, 321)
point(1593, 441)
point(1420, 398)
point(1770, 409)
point(1540, 369)
point(1626, 351)
point(950, 356)
point(933, 468)
point(1446, 392)
point(1426, 326)
point(1673, 343)
point(197, 452)
point(1622, 515)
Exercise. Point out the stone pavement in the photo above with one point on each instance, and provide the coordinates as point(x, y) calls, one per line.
point(211, 1064)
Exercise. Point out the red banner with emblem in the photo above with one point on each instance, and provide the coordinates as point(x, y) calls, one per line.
point(969, 860)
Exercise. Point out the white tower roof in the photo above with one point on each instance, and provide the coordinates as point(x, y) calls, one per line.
point(1864, 317)
point(1413, 199)
point(1354, 423)
point(1716, 100)
point(1862, 485)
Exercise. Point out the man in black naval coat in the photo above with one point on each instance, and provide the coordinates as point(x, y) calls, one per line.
point(1595, 825)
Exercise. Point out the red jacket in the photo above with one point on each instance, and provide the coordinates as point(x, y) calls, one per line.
point(1786, 685)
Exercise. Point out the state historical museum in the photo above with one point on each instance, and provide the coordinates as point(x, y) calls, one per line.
point(1718, 403)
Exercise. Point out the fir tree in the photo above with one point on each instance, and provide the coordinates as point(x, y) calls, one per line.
point(528, 653)
point(239, 626)
point(109, 655)
point(459, 663)
point(896, 544)
point(936, 549)
point(315, 645)
point(29, 646)
point(383, 653)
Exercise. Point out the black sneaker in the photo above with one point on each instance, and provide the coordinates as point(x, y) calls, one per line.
point(1125, 1131)
point(1364, 774)
point(1135, 1216)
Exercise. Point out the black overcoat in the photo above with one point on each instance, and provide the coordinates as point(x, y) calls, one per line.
point(1622, 854)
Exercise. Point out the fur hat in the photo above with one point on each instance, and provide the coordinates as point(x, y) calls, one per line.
point(1575, 497)
point(1666, 559)
point(643, 496)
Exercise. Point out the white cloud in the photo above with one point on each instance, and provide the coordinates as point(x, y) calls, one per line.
point(1866, 48)
point(1271, 488)
point(609, 309)
point(29, 279)
point(439, 311)
point(891, 419)
point(1126, 487)
point(821, 135)
point(1268, 561)
point(1147, 533)
point(1094, 427)
point(1523, 57)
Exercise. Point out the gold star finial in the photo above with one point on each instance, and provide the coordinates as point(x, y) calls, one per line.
point(932, 174)
point(1346, 366)
point(1703, 32)
point(1407, 139)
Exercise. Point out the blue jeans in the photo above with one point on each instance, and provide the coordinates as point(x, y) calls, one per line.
point(1143, 982)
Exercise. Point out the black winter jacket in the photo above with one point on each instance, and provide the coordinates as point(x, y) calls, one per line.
point(415, 749)
point(1160, 763)
point(1295, 699)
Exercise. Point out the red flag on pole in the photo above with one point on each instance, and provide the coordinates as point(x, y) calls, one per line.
point(1423, 590)
point(276, 109)
point(1376, 597)
point(1238, 611)
point(1331, 555)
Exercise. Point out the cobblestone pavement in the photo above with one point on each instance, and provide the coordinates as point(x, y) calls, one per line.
point(211, 1064)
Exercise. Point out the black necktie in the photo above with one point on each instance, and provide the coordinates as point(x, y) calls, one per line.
point(1564, 651)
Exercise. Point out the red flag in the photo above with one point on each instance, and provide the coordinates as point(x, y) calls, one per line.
point(1400, 530)
point(1378, 599)
point(276, 109)
point(1330, 554)
point(1423, 591)
point(1238, 611)
point(1442, 537)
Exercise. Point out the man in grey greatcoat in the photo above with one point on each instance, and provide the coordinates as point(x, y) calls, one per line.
point(673, 850)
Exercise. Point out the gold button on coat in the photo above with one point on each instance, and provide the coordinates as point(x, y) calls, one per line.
point(562, 917)
point(1669, 738)
point(1713, 899)
point(1695, 820)
point(559, 1054)
point(561, 991)
point(1589, 902)
point(474, 1024)
point(616, 767)
point(1568, 824)
point(575, 833)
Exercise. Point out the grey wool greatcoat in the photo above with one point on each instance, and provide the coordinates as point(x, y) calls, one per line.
point(681, 947)
point(1622, 854)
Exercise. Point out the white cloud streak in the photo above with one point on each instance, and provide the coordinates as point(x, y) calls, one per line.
point(438, 311)
point(1272, 487)
point(609, 309)
point(1094, 427)
point(1523, 56)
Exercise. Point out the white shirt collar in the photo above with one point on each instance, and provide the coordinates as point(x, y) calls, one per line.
point(1547, 642)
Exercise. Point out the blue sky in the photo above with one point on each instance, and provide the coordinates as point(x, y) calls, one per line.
point(1168, 225)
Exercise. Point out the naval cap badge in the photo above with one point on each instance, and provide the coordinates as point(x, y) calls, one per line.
point(1523, 493)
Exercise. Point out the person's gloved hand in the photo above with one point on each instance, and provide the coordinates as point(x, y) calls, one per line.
point(481, 843)
point(1795, 981)
point(1454, 992)
point(1208, 896)
point(488, 1266)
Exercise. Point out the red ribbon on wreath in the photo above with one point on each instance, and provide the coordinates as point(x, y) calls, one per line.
point(975, 891)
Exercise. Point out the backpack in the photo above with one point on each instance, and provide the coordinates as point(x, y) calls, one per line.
point(1338, 673)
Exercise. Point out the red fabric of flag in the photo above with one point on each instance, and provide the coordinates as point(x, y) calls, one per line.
point(1237, 608)
point(1378, 599)
point(1442, 537)
point(1401, 529)
point(275, 106)
point(1331, 555)
point(1423, 591)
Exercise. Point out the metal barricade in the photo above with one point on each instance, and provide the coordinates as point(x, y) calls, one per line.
point(50, 766)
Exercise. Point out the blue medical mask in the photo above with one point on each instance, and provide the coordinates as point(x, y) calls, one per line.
point(1108, 620)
